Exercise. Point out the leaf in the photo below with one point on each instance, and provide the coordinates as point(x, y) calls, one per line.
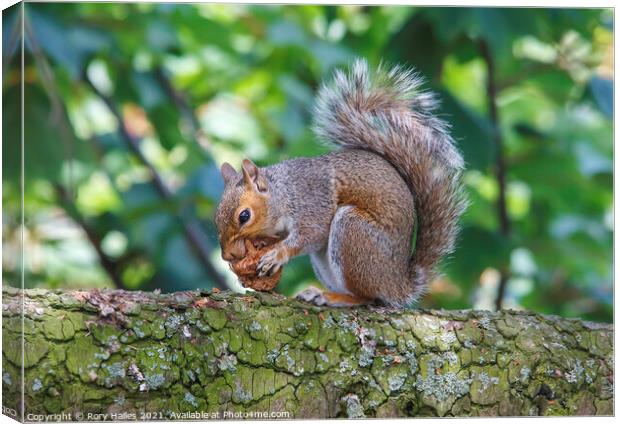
point(51, 35)
point(476, 249)
point(69, 46)
point(11, 30)
point(161, 36)
point(149, 90)
point(166, 120)
point(46, 149)
point(229, 119)
point(178, 260)
point(147, 223)
point(417, 44)
point(471, 131)
point(554, 83)
point(206, 181)
point(603, 92)
point(293, 119)
point(330, 55)
point(284, 33)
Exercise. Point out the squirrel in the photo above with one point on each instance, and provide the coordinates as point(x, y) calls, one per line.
point(355, 210)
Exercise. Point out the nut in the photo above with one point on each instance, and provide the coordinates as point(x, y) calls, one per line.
point(246, 268)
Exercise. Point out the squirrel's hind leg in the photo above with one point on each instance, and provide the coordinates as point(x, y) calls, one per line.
point(337, 296)
point(370, 258)
point(363, 263)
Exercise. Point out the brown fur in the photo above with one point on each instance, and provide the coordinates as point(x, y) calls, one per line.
point(354, 210)
point(345, 299)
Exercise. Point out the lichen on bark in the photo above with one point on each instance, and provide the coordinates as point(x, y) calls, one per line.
point(119, 352)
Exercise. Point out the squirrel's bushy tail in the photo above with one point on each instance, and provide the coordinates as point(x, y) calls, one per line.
point(386, 112)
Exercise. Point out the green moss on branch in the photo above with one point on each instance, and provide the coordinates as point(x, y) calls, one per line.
point(135, 353)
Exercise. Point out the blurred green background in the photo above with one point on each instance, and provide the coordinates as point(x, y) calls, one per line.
point(129, 109)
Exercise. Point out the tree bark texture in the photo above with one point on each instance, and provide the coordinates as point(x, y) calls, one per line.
point(188, 355)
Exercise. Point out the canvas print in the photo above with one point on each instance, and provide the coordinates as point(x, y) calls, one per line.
point(232, 211)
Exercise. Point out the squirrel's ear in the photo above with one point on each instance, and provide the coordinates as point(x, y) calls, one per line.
point(228, 172)
point(252, 176)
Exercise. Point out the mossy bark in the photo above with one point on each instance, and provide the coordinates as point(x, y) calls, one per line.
point(186, 355)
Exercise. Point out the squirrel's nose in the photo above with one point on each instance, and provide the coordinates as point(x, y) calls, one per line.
point(234, 251)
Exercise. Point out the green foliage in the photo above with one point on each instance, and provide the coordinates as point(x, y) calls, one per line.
point(196, 85)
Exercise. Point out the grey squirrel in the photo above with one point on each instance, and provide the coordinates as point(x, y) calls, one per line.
point(354, 210)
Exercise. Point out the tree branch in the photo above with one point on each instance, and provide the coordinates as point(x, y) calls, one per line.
point(109, 351)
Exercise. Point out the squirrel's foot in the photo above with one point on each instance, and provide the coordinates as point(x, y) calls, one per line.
point(313, 295)
point(319, 297)
point(271, 262)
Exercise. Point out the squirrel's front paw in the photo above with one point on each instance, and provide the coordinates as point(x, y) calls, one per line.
point(271, 262)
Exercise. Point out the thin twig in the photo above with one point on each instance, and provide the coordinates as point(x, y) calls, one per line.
point(500, 164)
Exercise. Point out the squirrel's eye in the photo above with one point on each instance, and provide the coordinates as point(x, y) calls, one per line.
point(244, 216)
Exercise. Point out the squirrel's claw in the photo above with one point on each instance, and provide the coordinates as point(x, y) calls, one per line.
point(269, 264)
